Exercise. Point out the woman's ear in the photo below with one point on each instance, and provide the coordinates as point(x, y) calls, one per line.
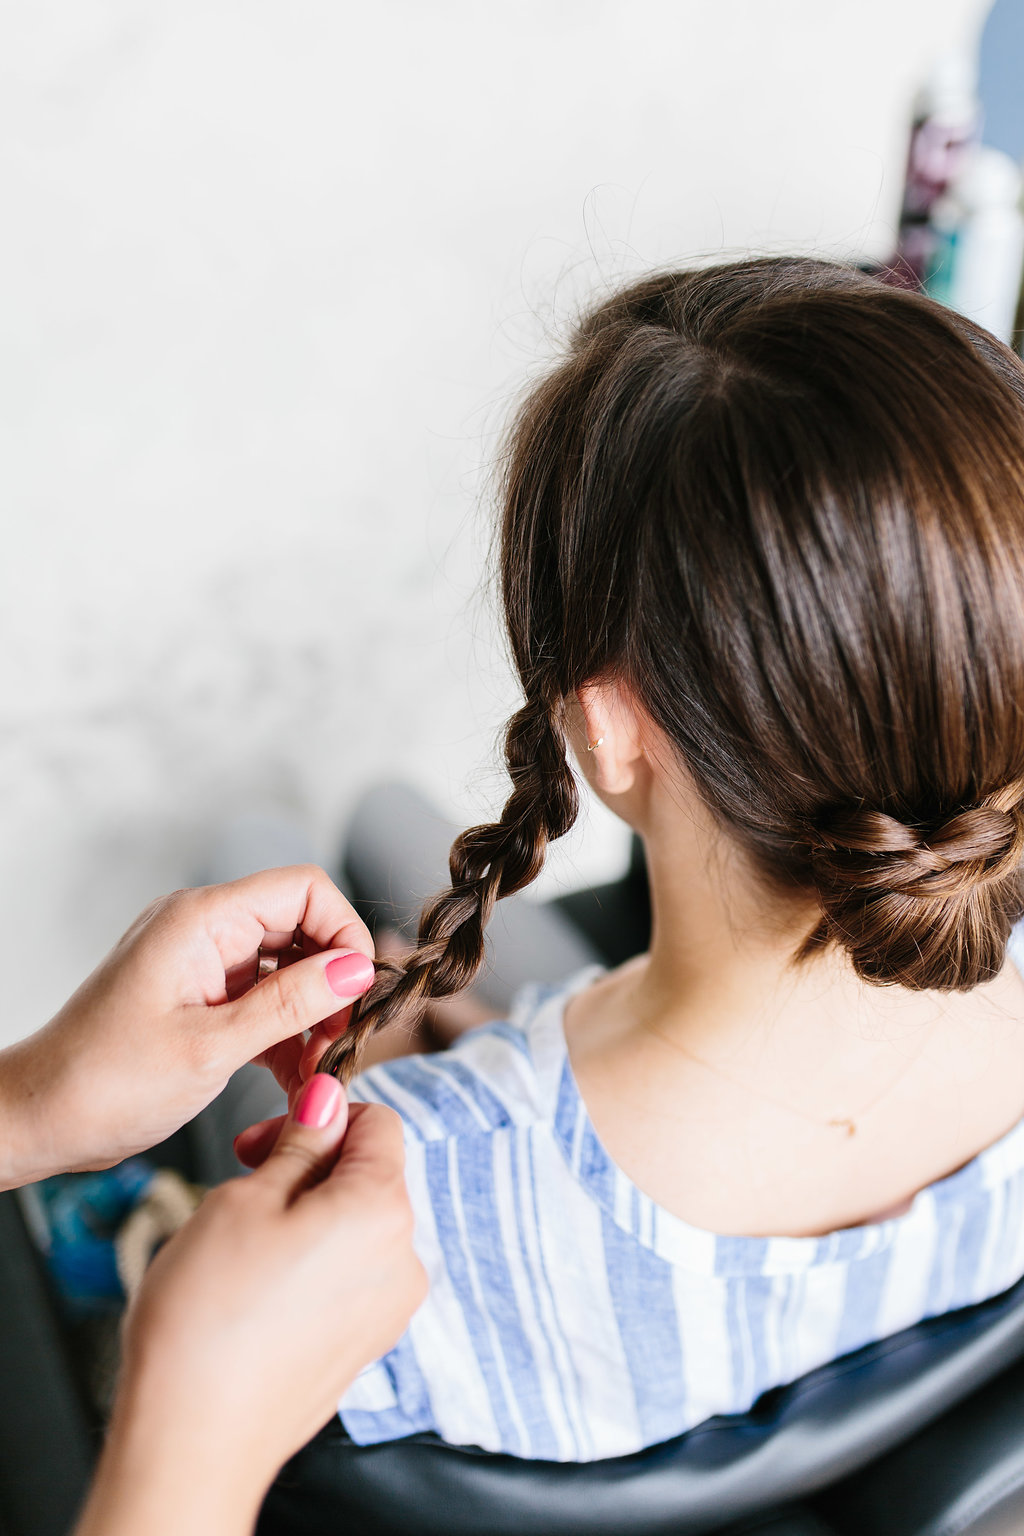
point(612, 743)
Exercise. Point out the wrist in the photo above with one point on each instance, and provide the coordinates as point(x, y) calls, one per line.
point(30, 1147)
point(163, 1472)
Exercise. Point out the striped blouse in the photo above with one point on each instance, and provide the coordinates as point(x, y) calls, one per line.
point(571, 1318)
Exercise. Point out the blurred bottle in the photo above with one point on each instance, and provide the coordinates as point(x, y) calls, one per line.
point(978, 256)
point(945, 131)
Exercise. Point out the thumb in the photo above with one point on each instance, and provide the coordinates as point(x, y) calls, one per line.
point(295, 998)
point(310, 1140)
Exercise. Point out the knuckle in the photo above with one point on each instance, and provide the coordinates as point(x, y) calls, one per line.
point(309, 874)
point(161, 912)
point(174, 901)
point(307, 1159)
point(313, 873)
point(387, 1117)
point(289, 1001)
point(388, 1129)
point(182, 910)
point(156, 908)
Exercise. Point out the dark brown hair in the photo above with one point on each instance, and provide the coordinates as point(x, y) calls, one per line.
point(785, 505)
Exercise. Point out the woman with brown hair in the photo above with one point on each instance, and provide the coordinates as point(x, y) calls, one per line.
point(762, 560)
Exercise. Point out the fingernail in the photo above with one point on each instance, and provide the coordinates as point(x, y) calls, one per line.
point(349, 975)
point(318, 1102)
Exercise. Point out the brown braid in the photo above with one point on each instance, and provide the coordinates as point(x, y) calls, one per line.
point(486, 863)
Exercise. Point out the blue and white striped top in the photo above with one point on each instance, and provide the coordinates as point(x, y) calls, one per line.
point(570, 1318)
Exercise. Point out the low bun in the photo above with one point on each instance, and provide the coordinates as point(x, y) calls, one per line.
point(917, 905)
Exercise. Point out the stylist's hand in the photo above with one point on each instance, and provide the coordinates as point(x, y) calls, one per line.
point(254, 1319)
point(156, 1031)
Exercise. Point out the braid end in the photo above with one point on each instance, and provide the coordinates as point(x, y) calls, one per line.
point(342, 1057)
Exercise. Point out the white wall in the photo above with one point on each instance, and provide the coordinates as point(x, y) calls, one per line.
point(269, 273)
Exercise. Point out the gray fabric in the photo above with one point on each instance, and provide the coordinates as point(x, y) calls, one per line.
point(251, 1095)
point(260, 838)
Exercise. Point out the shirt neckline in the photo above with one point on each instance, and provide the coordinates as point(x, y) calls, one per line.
point(698, 1248)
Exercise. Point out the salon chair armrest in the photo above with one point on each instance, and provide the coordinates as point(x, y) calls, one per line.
point(962, 1476)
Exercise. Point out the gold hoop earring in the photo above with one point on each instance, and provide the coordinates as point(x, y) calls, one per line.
point(592, 744)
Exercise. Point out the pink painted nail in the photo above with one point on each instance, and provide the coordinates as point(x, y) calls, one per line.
point(318, 1102)
point(349, 975)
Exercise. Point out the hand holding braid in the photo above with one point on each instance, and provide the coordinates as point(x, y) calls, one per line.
point(917, 904)
point(486, 863)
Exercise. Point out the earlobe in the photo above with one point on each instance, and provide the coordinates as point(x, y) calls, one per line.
point(610, 737)
point(613, 775)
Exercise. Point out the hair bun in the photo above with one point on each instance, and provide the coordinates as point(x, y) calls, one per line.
point(923, 906)
point(870, 851)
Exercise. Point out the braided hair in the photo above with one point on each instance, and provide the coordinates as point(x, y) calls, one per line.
point(485, 864)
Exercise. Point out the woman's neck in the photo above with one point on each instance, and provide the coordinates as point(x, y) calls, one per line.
point(719, 981)
point(749, 1137)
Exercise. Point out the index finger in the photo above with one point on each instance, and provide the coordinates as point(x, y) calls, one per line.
point(241, 913)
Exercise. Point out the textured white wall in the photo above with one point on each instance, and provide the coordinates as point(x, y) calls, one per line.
point(269, 273)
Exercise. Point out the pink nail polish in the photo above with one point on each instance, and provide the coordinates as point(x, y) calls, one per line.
point(318, 1102)
point(349, 975)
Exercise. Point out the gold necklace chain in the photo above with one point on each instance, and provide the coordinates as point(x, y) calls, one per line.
point(839, 1122)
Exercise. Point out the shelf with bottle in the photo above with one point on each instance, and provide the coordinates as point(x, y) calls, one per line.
point(961, 231)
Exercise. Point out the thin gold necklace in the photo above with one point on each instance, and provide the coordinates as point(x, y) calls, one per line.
point(839, 1122)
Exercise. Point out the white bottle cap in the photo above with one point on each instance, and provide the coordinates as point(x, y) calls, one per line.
point(951, 91)
point(989, 179)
